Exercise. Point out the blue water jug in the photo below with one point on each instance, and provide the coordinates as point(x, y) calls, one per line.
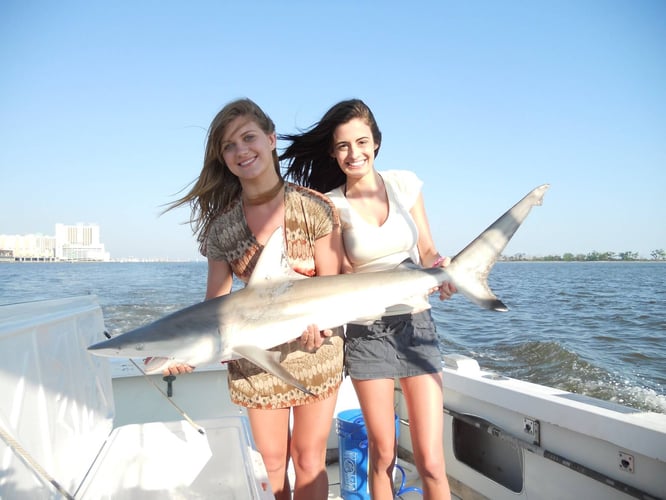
point(353, 454)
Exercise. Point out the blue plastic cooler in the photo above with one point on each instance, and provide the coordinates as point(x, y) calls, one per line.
point(353, 454)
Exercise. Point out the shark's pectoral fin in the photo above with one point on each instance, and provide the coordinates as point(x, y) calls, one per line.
point(269, 361)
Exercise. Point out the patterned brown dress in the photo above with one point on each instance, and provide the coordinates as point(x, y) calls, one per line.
point(309, 216)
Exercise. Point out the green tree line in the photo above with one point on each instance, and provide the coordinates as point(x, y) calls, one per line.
point(659, 254)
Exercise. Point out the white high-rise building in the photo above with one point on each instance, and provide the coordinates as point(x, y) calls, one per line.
point(80, 242)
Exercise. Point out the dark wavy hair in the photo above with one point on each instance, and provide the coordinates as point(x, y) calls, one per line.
point(308, 155)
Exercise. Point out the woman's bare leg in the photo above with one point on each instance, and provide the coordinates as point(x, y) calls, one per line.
point(270, 430)
point(312, 425)
point(376, 398)
point(423, 395)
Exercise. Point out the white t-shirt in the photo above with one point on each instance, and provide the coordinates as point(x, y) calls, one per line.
point(373, 248)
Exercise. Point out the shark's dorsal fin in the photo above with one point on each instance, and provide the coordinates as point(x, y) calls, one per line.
point(394, 310)
point(273, 264)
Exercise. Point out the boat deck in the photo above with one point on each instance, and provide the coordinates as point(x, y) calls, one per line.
point(99, 431)
point(407, 490)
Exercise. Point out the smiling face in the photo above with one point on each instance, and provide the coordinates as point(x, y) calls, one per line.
point(246, 149)
point(354, 148)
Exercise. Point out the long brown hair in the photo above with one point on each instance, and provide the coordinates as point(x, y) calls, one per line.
point(216, 187)
point(309, 160)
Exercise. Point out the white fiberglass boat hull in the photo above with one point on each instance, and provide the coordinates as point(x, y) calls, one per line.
point(100, 430)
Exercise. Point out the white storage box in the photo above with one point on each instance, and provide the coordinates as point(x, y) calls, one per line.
point(172, 460)
point(56, 422)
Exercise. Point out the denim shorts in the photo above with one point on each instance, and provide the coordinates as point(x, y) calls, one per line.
point(393, 347)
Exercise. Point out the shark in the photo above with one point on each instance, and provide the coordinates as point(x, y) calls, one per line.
point(277, 304)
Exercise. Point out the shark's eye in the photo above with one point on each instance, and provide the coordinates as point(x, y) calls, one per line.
point(139, 347)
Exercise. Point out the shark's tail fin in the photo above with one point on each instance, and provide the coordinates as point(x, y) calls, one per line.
point(469, 269)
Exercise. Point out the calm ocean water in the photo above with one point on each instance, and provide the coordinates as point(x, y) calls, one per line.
point(595, 328)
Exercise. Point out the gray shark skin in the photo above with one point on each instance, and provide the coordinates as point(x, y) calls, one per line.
point(277, 304)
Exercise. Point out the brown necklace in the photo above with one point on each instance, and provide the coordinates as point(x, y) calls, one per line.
point(266, 196)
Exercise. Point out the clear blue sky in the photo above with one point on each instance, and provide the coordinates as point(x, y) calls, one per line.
point(104, 108)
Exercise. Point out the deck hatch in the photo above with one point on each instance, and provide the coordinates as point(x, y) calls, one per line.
point(475, 445)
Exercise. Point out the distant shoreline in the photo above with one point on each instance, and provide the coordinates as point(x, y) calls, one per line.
point(115, 261)
point(509, 260)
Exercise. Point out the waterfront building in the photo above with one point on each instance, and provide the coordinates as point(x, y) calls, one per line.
point(79, 242)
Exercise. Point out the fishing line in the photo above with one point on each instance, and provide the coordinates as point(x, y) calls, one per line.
point(198, 428)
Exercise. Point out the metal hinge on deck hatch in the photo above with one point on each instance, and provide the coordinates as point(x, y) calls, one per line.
point(532, 428)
